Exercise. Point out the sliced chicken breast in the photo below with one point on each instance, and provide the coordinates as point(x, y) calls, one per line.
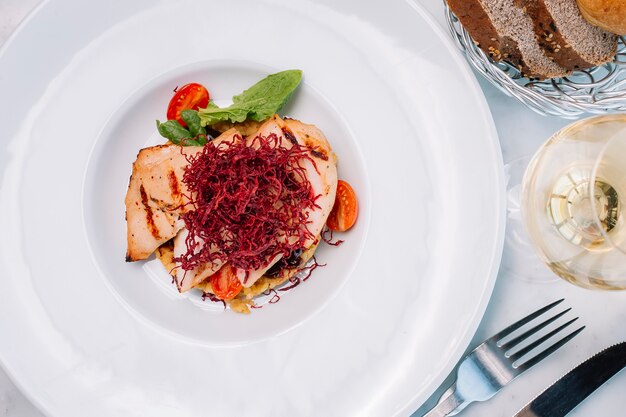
point(155, 199)
point(156, 196)
point(186, 280)
point(321, 172)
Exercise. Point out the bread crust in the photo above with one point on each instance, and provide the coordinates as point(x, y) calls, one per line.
point(544, 33)
point(550, 38)
point(478, 24)
point(608, 14)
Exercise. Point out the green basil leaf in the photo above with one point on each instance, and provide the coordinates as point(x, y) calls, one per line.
point(269, 95)
point(258, 102)
point(193, 122)
point(173, 131)
point(198, 141)
point(221, 115)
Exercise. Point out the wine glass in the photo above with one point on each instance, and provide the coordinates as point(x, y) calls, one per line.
point(573, 202)
point(519, 257)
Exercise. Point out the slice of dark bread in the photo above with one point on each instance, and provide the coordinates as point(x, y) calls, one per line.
point(542, 38)
point(593, 44)
point(474, 18)
point(511, 24)
point(569, 39)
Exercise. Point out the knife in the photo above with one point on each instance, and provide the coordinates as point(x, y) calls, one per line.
point(565, 394)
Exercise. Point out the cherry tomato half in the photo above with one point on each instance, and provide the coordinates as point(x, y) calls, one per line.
point(225, 284)
point(345, 210)
point(189, 96)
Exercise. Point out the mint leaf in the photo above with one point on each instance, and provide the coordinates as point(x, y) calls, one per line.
point(258, 102)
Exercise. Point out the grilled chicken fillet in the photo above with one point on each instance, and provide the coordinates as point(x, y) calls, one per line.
point(157, 197)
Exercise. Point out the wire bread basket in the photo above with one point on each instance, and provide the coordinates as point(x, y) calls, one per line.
point(598, 90)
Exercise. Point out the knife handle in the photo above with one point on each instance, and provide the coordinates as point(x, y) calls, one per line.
point(449, 404)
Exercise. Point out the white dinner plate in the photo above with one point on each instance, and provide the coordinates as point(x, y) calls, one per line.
point(371, 333)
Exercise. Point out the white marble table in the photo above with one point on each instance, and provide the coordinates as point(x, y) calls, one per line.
point(521, 132)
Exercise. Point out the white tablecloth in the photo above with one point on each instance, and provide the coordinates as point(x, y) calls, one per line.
point(521, 132)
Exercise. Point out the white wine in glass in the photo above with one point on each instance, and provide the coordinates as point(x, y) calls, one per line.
point(574, 202)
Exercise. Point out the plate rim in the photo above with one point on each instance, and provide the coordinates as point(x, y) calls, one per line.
point(495, 251)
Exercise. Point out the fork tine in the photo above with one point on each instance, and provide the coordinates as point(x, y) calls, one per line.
point(487, 369)
point(513, 342)
point(539, 357)
point(507, 331)
point(517, 355)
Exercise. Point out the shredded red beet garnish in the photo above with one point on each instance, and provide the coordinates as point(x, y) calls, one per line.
point(296, 280)
point(310, 268)
point(275, 298)
point(329, 239)
point(213, 298)
point(250, 203)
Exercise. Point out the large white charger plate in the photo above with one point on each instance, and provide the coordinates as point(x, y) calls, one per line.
point(373, 333)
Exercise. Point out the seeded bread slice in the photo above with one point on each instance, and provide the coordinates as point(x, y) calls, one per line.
point(594, 45)
point(514, 35)
point(542, 38)
point(568, 39)
point(478, 24)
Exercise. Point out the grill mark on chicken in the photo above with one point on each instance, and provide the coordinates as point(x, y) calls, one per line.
point(319, 154)
point(290, 136)
point(152, 171)
point(149, 214)
point(174, 184)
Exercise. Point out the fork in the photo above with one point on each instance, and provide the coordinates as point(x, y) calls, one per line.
point(493, 364)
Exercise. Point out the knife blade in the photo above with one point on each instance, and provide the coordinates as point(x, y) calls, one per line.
point(565, 394)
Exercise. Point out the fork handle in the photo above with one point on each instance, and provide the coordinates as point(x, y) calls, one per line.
point(449, 404)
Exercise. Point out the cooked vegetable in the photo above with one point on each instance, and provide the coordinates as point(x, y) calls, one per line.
point(189, 96)
point(225, 284)
point(258, 102)
point(346, 209)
